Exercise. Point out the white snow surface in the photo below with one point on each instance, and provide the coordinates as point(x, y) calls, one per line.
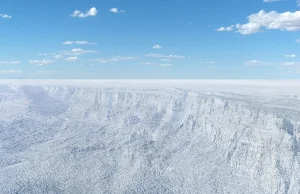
point(149, 136)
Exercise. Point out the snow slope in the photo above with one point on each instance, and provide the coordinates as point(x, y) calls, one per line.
point(146, 136)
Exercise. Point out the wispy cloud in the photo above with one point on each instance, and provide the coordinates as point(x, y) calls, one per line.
point(287, 21)
point(270, 1)
point(156, 46)
point(165, 56)
point(255, 63)
point(145, 63)
point(72, 58)
point(5, 16)
point(298, 40)
point(92, 12)
point(166, 60)
point(77, 51)
point(11, 71)
point(43, 54)
point(226, 29)
point(290, 63)
point(290, 56)
point(10, 62)
point(116, 10)
point(113, 59)
point(208, 62)
point(290, 67)
point(80, 42)
point(166, 65)
point(58, 56)
point(41, 62)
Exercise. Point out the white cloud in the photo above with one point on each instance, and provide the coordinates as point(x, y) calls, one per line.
point(298, 2)
point(165, 56)
point(77, 51)
point(41, 62)
point(287, 21)
point(255, 63)
point(290, 56)
point(298, 40)
point(269, 1)
point(290, 63)
point(116, 10)
point(92, 12)
point(226, 29)
point(290, 67)
point(9, 62)
point(79, 42)
point(52, 55)
point(157, 46)
point(113, 59)
point(165, 60)
point(249, 28)
point(42, 54)
point(145, 63)
point(166, 65)
point(58, 56)
point(11, 71)
point(208, 62)
point(5, 16)
point(72, 58)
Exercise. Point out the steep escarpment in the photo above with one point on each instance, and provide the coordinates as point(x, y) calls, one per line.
point(71, 139)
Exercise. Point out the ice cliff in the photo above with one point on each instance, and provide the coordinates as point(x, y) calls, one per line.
point(193, 137)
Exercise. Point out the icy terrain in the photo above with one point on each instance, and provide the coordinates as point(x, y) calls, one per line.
point(171, 136)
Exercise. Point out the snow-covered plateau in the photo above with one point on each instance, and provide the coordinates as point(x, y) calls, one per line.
point(149, 136)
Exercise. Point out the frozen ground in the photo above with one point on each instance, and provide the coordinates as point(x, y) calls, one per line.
point(164, 136)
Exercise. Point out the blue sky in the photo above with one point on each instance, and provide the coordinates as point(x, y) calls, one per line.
point(249, 39)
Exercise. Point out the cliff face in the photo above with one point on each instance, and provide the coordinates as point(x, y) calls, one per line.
point(76, 139)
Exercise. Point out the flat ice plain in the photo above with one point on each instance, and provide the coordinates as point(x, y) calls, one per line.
point(149, 136)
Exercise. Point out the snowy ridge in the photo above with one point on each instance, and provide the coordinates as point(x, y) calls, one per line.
point(126, 137)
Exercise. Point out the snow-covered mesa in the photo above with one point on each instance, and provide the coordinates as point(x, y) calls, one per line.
point(146, 136)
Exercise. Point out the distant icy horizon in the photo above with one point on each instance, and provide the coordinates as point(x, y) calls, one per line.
point(129, 81)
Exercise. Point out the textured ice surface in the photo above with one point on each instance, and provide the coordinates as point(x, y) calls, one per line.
point(164, 136)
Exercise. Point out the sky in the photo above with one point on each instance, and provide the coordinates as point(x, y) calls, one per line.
point(155, 39)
